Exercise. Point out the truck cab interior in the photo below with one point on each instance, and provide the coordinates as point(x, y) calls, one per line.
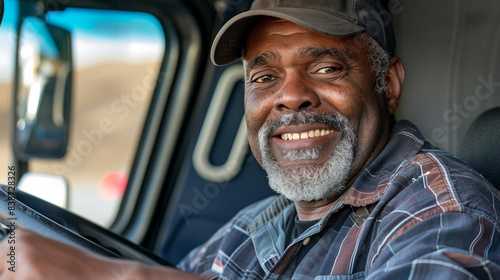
point(191, 168)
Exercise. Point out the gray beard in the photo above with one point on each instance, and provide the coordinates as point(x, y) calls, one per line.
point(310, 183)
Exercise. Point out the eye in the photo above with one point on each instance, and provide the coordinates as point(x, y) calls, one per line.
point(264, 79)
point(329, 69)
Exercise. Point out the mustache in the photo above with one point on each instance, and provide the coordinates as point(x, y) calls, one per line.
point(336, 122)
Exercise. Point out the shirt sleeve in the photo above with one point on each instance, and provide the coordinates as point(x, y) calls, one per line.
point(450, 245)
point(444, 223)
point(203, 259)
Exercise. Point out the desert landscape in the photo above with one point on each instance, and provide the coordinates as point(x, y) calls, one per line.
point(5, 154)
point(109, 104)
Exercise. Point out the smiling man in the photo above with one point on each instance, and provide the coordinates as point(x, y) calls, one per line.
point(309, 102)
point(310, 83)
point(361, 196)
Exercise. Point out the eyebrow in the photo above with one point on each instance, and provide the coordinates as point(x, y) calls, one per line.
point(331, 52)
point(262, 60)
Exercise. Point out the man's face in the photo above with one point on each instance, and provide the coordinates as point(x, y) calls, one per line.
point(311, 98)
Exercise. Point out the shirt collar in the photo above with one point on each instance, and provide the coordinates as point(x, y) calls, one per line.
point(404, 144)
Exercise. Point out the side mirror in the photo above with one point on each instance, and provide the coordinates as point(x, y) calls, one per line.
point(43, 90)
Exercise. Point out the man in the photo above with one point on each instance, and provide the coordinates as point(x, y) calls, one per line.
point(362, 197)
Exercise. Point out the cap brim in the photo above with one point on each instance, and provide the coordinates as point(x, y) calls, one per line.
point(230, 40)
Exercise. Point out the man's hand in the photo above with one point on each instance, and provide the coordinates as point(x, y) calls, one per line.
point(37, 257)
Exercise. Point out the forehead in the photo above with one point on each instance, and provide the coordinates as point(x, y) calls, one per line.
point(272, 36)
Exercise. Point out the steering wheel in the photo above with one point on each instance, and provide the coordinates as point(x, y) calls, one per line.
point(44, 218)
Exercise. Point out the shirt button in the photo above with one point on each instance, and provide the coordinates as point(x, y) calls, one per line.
point(306, 241)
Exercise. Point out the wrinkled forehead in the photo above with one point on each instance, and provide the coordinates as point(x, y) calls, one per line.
point(313, 43)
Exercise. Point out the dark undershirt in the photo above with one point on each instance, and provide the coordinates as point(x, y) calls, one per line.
point(301, 226)
point(294, 229)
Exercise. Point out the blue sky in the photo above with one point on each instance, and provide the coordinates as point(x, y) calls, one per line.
point(97, 35)
point(10, 14)
point(108, 24)
point(7, 40)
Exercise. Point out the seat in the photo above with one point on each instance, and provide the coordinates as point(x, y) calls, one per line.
point(481, 146)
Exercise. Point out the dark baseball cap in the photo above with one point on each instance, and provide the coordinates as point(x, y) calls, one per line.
point(337, 18)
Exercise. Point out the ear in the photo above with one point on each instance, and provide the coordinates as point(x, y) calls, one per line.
point(395, 76)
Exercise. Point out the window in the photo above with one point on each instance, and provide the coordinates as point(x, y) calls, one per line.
point(7, 51)
point(116, 58)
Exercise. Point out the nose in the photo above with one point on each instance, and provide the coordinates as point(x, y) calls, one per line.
point(296, 94)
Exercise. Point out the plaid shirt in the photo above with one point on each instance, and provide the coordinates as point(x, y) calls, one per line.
point(415, 213)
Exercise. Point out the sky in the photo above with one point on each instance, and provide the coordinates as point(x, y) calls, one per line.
point(7, 40)
point(97, 36)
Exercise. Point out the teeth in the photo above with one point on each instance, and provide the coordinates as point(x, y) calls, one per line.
point(305, 135)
